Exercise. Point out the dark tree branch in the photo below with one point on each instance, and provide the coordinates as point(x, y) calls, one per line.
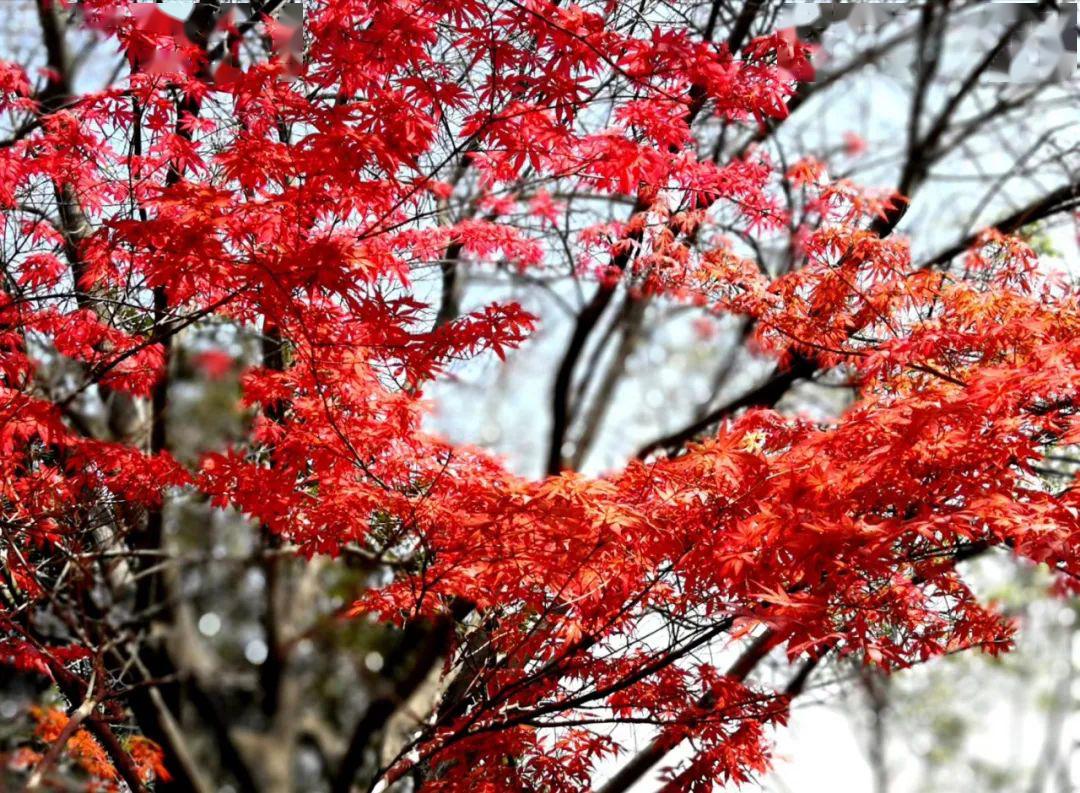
point(765, 395)
point(1063, 199)
point(629, 774)
point(419, 649)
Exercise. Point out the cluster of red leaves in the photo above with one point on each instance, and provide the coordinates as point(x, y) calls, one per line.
point(85, 753)
point(837, 535)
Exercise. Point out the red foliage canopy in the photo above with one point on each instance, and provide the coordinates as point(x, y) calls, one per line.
point(299, 199)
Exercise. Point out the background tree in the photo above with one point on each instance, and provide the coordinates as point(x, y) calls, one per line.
point(241, 262)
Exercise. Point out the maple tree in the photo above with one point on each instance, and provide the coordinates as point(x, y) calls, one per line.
point(233, 207)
